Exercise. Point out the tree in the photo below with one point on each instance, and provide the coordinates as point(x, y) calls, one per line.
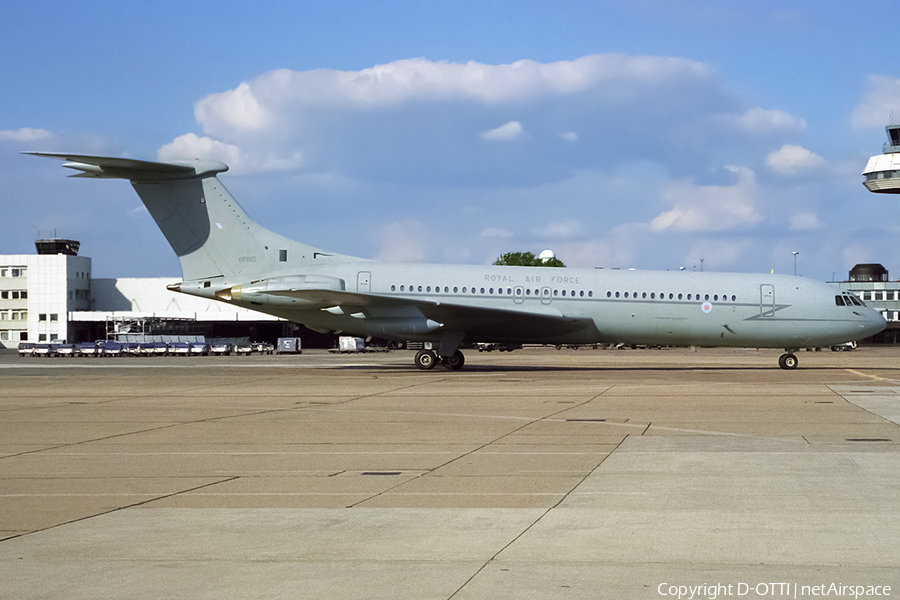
point(527, 259)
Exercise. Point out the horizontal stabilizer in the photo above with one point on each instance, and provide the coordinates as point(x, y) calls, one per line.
point(135, 170)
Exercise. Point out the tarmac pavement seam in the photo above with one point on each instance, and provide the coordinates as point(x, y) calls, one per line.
point(483, 446)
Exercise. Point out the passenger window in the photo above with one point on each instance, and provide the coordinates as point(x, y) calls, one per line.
point(679, 296)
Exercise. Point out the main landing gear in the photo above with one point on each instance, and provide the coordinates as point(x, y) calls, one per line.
point(788, 361)
point(426, 359)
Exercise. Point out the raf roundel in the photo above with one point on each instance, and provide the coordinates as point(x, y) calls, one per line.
point(706, 307)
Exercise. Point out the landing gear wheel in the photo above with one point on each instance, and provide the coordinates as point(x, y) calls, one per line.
point(425, 359)
point(455, 362)
point(788, 361)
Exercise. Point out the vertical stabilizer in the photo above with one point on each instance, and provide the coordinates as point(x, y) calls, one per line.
point(206, 227)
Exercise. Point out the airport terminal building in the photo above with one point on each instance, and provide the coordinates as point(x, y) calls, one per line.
point(51, 296)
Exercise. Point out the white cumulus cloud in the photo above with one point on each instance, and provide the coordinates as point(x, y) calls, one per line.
point(562, 230)
point(403, 241)
point(791, 159)
point(235, 110)
point(508, 132)
point(709, 207)
point(881, 100)
point(282, 96)
point(761, 121)
point(805, 221)
point(496, 233)
point(25, 134)
point(191, 145)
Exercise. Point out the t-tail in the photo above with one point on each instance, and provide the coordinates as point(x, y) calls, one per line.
point(206, 227)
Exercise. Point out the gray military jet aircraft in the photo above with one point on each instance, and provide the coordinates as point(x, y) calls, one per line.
point(226, 256)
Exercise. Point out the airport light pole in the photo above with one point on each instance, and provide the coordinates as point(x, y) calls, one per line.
point(795, 262)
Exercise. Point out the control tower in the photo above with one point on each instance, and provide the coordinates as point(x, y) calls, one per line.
point(883, 171)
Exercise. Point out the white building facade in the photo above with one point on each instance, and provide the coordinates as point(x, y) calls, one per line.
point(37, 293)
point(52, 297)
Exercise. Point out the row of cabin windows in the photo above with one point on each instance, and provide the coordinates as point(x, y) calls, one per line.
point(13, 271)
point(569, 293)
point(13, 294)
point(672, 296)
point(466, 290)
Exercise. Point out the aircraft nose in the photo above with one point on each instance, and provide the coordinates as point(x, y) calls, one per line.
point(874, 324)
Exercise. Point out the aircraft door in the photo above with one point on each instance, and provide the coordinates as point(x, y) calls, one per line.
point(546, 295)
point(363, 282)
point(519, 295)
point(767, 300)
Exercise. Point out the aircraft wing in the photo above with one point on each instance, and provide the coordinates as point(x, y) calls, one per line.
point(490, 323)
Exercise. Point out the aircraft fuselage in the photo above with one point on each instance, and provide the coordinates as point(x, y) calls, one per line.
point(679, 308)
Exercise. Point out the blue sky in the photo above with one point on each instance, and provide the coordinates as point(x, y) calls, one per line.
point(650, 134)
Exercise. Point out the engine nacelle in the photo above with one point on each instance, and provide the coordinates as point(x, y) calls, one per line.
point(400, 326)
point(280, 291)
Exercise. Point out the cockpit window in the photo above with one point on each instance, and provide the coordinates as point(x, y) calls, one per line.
point(848, 299)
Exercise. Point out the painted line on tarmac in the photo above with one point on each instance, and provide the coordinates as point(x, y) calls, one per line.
point(875, 377)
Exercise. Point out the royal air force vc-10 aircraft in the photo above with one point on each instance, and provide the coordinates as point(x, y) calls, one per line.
point(227, 256)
